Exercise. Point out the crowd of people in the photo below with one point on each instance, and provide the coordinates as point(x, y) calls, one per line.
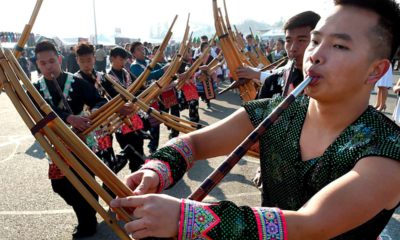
point(321, 163)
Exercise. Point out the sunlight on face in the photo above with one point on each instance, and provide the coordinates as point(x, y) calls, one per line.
point(48, 64)
point(296, 42)
point(86, 62)
point(118, 62)
point(338, 54)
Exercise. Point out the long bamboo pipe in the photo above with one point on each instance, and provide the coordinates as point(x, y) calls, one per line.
point(218, 174)
point(27, 30)
point(170, 121)
point(74, 143)
point(107, 110)
point(261, 56)
point(20, 95)
point(233, 59)
point(154, 90)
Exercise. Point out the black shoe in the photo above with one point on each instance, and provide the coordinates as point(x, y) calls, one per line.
point(80, 232)
point(172, 135)
point(146, 135)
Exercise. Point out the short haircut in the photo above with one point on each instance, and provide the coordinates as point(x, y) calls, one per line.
point(249, 36)
point(119, 52)
point(204, 38)
point(304, 19)
point(385, 36)
point(281, 41)
point(84, 48)
point(45, 46)
point(155, 48)
point(203, 46)
point(134, 45)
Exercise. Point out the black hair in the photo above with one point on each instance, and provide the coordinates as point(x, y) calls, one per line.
point(304, 19)
point(119, 52)
point(45, 46)
point(134, 45)
point(155, 48)
point(84, 48)
point(203, 45)
point(385, 36)
point(249, 36)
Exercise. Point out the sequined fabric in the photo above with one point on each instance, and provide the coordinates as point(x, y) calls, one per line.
point(290, 182)
point(175, 160)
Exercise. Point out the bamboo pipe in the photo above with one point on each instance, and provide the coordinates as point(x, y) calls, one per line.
point(146, 108)
point(27, 30)
point(118, 103)
point(218, 174)
point(232, 60)
point(239, 39)
point(193, 68)
point(186, 34)
point(235, 49)
point(152, 91)
point(50, 135)
point(25, 33)
point(261, 56)
point(275, 64)
point(248, 91)
point(156, 88)
point(76, 145)
point(135, 86)
point(21, 93)
point(158, 54)
point(68, 173)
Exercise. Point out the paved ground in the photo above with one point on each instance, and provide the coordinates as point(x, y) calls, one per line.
point(30, 210)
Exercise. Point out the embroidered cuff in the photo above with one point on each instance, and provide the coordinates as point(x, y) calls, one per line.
point(184, 148)
point(163, 171)
point(196, 220)
point(271, 223)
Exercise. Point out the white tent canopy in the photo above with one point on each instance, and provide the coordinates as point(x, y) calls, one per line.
point(273, 34)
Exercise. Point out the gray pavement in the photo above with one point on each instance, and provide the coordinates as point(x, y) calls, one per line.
point(30, 210)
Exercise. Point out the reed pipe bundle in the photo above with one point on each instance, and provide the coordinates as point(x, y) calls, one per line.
point(247, 91)
point(114, 105)
point(65, 149)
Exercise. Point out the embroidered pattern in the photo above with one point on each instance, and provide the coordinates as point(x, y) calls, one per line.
point(137, 124)
point(196, 220)
point(163, 171)
point(184, 149)
point(270, 223)
point(395, 139)
point(67, 88)
point(360, 135)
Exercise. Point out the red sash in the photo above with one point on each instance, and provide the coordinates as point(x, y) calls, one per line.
point(190, 92)
point(104, 142)
point(137, 124)
point(55, 172)
point(169, 98)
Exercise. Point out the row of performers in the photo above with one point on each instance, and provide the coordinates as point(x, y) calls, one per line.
point(73, 96)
